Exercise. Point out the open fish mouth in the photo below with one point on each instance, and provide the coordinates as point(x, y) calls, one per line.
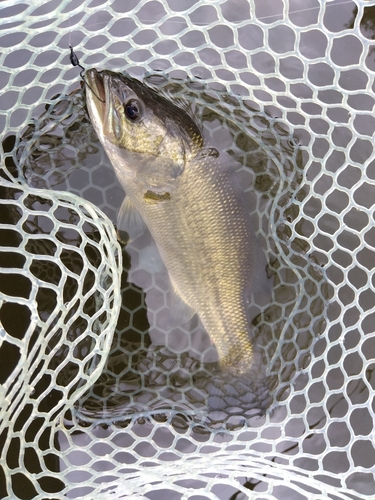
point(96, 88)
point(102, 101)
point(96, 82)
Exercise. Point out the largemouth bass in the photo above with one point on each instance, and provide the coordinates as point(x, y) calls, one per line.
point(187, 194)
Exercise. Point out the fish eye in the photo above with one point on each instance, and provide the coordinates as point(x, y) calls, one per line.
point(132, 109)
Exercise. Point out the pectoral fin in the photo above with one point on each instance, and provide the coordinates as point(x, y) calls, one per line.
point(130, 224)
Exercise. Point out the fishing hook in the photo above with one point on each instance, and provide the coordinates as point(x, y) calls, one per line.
point(75, 62)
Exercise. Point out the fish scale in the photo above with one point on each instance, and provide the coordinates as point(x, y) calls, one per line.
point(187, 194)
point(203, 235)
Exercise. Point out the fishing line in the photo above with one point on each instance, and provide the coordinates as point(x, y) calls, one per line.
point(330, 3)
point(75, 62)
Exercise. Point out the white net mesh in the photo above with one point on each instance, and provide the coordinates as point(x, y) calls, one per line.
point(99, 399)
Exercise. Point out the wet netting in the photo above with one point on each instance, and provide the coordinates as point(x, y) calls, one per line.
point(101, 398)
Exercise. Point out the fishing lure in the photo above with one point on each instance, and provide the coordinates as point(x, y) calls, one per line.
point(75, 62)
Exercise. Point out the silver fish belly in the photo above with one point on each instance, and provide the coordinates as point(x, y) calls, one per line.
point(190, 199)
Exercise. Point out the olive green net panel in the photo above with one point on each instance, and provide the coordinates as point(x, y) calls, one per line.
point(99, 398)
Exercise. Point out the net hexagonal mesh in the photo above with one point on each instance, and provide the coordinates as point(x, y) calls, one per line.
point(100, 399)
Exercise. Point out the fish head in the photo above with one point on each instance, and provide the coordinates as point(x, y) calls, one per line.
point(139, 127)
